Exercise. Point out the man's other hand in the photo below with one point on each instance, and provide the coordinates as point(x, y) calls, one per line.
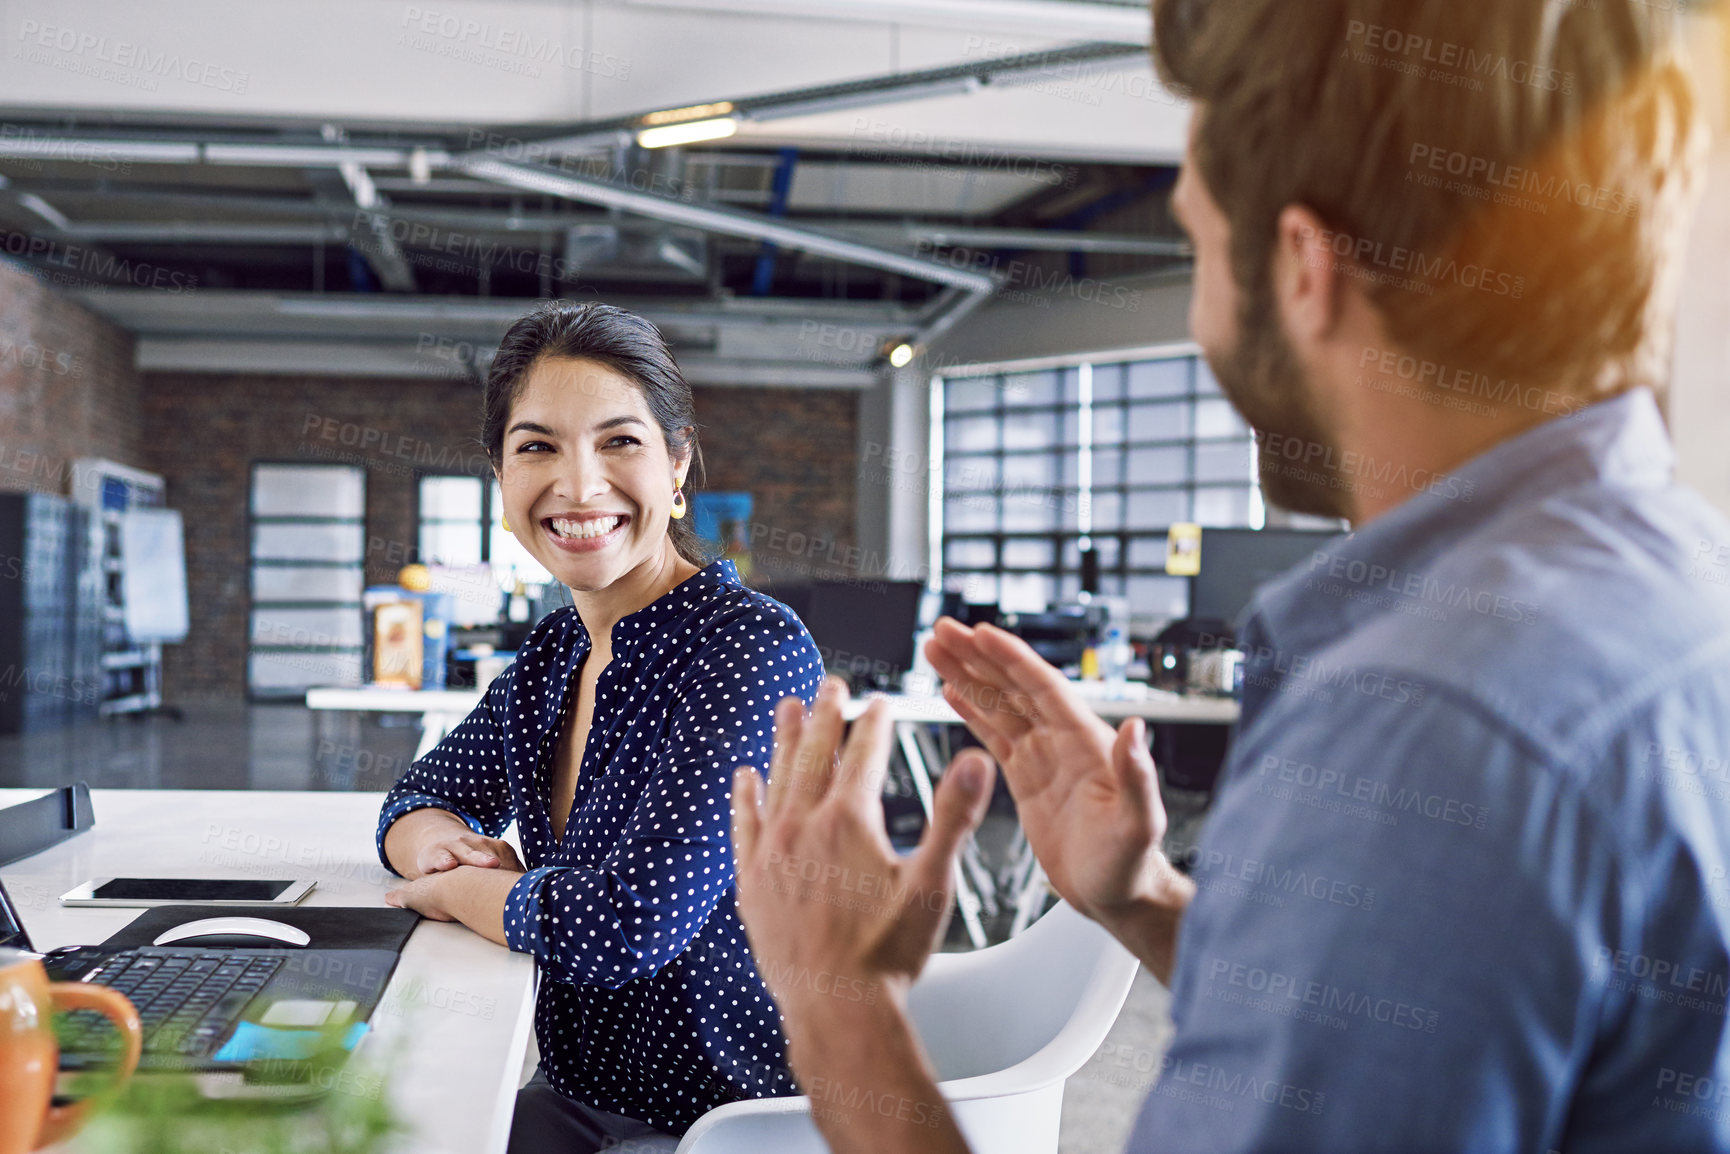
point(1088, 798)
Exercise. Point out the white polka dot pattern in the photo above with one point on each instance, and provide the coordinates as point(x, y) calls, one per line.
point(650, 1005)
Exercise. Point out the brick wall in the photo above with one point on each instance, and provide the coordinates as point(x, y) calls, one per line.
point(67, 387)
point(793, 450)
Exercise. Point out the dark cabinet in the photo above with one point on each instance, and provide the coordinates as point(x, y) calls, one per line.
point(50, 614)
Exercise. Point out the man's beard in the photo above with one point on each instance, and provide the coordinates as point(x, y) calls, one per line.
point(1265, 383)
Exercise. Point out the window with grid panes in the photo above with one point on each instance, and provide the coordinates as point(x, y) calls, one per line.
point(308, 529)
point(460, 524)
point(1039, 465)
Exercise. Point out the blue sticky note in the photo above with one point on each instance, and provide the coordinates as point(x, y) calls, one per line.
point(251, 1042)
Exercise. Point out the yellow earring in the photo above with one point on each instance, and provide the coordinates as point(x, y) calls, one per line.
point(505, 521)
point(679, 506)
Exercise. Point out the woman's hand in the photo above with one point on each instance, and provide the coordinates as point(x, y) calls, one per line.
point(426, 896)
point(465, 848)
point(832, 912)
point(472, 895)
point(1087, 797)
point(432, 840)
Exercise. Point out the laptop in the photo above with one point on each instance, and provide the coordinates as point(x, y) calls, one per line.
point(259, 1011)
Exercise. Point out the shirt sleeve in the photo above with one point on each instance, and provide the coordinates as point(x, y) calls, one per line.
point(464, 774)
point(1394, 933)
point(639, 908)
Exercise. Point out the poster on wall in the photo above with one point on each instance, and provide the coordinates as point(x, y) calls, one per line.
point(723, 522)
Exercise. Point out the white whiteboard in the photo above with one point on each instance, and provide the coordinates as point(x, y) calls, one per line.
point(153, 574)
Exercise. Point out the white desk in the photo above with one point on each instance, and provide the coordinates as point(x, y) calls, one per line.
point(458, 1047)
point(442, 709)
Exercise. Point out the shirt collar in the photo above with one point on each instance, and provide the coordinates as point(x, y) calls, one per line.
point(714, 576)
point(655, 615)
point(1621, 442)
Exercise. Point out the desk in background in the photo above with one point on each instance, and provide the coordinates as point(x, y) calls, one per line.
point(458, 1013)
point(978, 890)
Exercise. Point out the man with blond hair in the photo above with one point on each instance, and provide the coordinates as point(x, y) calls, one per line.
point(1465, 883)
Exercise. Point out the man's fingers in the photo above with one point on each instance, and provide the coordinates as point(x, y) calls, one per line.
point(949, 627)
point(865, 760)
point(988, 689)
point(958, 809)
point(965, 660)
point(813, 763)
point(1026, 671)
point(747, 820)
point(980, 723)
point(1134, 766)
point(789, 724)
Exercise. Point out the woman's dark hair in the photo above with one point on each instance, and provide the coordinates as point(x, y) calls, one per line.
point(625, 343)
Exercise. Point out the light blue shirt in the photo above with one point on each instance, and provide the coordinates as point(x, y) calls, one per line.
point(1464, 886)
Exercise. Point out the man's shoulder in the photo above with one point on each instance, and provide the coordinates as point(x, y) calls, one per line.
point(1563, 616)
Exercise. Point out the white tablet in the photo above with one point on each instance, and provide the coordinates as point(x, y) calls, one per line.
point(172, 891)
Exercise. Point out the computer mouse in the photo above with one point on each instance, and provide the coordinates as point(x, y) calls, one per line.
point(254, 933)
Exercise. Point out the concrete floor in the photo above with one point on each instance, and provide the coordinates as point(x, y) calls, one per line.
point(219, 747)
point(291, 747)
point(1100, 1103)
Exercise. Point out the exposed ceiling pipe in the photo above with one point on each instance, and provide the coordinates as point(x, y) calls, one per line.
point(727, 221)
point(205, 232)
point(381, 250)
point(945, 314)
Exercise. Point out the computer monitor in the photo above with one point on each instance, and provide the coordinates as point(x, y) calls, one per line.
point(1234, 562)
point(863, 628)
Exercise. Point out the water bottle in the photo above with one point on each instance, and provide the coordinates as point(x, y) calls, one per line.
point(1114, 657)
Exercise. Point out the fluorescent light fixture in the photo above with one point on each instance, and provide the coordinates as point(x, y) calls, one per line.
point(866, 99)
point(901, 355)
point(690, 132)
point(689, 112)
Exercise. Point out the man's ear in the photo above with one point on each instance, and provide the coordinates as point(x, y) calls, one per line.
point(1308, 275)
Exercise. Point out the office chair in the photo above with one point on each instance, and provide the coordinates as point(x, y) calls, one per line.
point(1004, 1026)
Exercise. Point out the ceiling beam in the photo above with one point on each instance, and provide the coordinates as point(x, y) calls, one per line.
point(532, 224)
point(212, 312)
point(384, 358)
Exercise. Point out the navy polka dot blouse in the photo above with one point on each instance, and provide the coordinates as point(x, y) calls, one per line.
point(650, 1005)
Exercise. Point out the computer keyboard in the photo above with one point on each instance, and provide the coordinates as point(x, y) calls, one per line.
point(187, 1001)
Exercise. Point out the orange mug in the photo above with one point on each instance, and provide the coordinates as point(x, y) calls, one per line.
point(30, 1058)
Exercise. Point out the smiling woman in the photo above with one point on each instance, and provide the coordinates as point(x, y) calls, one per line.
point(609, 367)
point(610, 741)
